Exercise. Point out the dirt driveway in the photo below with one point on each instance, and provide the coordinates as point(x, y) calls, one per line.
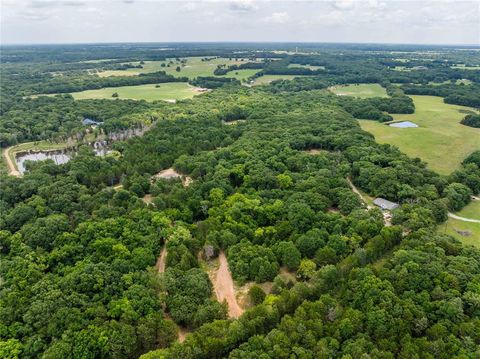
point(224, 288)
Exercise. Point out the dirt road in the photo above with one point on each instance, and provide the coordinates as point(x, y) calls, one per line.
point(12, 169)
point(454, 216)
point(161, 260)
point(224, 289)
point(355, 190)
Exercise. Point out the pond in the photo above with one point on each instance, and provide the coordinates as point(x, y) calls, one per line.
point(403, 124)
point(60, 157)
point(100, 147)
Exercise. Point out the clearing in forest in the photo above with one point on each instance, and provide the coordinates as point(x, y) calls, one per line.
point(193, 67)
point(440, 140)
point(224, 287)
point(266, 79)
point(467, 232)
point(360, 90)
point(168, 91)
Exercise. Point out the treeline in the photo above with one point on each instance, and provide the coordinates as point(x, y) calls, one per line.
point(471, 121)
point(464, 95)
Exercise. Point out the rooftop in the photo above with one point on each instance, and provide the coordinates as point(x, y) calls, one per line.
point(385, 204)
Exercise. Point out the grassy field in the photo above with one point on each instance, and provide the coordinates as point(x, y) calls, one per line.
point(471, 211)
point(194, 67)
point(360, 90)
point(441, 140)
point(463, 67)
point(241, 74)
point(311, 67)
point(266, 79)
point(453, 225)
point(167, 91)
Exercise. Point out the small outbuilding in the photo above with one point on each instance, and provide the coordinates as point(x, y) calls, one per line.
point(90, 122)
point(385, 204)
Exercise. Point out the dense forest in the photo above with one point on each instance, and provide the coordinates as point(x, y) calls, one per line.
point(272, 169)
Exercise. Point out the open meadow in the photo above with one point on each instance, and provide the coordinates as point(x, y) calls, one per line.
point(440, 140)
point(193, 67)
point(266, 79)
point(455, 227)
point(168, 91)
point(360, 90)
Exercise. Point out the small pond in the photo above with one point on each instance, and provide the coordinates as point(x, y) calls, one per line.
point(403, 124)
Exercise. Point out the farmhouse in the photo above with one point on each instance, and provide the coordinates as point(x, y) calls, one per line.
point(385, 204)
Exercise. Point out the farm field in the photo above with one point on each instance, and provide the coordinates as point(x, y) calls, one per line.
point(241, 74)
point(440, 140)
point(194, 67)
point(360, 90)
point(166, 92)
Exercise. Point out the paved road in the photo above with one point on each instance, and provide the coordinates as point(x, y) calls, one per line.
point(454, 216)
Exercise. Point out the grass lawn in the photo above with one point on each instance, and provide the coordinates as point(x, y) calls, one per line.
point(166, 91)
point(471, 211)
point(266, 79)
point(241, 74)
point(360, 90)
point(453, 225)
point(194, 67)
point(441, 140)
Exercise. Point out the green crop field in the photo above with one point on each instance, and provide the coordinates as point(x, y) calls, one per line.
point(441, 140)
point(360, 90)
point(166, 91)
point(194, 67)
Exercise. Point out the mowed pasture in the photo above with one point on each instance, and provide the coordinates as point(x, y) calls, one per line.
point(194, 67)
point(166, 91)
point(360, 90)
point(440, 140)
point(454, 226)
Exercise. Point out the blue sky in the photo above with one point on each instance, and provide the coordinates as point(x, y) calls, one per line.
point(379, 21)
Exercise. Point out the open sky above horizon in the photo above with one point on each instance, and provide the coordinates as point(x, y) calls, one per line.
point(375, 21)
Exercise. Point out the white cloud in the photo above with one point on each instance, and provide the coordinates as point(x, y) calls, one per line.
point(243, 5)
point(278, 18)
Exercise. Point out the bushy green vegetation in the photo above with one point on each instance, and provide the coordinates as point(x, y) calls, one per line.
point(273, 192)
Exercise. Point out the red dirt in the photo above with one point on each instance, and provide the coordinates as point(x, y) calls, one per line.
point(224, 289)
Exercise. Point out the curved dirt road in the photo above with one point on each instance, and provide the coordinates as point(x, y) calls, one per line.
point(224, 289)
point(454, 216)
point(12, 169)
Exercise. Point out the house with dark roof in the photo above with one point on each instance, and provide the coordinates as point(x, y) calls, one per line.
point(385, 204)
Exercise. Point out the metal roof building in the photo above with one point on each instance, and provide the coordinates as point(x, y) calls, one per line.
point(385, 204)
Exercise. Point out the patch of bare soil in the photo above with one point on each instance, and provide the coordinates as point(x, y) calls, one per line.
point(167, 174)
point(224, 287)
point(148, 198)
point(161, 260)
